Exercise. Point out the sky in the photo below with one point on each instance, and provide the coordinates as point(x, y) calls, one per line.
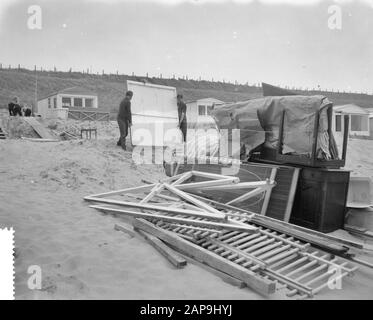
point(282, 42)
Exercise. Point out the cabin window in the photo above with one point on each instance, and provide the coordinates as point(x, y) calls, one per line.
point(66, 102)
point(358, 123)
point(49, 103)
point(89, 103)
point(209, 109)
point(78, 102)
point(201, 110)
point(338, 123)
point(55, 103)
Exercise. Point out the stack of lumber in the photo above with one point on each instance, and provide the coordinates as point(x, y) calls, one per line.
point(247, 248)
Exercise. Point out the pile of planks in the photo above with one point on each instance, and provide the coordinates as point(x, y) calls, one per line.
point(237, 244)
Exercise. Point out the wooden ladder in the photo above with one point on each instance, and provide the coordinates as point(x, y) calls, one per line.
point(293, 265)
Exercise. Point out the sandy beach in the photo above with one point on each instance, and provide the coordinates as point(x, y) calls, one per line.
point(42, 186)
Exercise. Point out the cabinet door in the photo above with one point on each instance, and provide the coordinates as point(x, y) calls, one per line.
point(308, 202)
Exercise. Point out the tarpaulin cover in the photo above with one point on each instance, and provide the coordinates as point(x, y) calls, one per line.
point(243, 116)
point(260, 120)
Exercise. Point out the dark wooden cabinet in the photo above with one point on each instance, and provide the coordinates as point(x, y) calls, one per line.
point(320, 200)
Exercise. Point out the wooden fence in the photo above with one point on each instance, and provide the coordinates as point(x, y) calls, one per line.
point(90, 114)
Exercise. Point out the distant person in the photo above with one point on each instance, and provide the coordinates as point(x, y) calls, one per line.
point(17, 110)
point(181, 109)
point(124, 119)
point(11, 106)
point(28, 111)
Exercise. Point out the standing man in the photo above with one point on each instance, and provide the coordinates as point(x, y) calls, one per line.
point(11, 106)
point(181, 110)
point(17, 110)
point(124, 119)
point(28, 111)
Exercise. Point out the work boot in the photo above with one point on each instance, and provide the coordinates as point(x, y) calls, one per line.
point(118, 143)
point(123, 144)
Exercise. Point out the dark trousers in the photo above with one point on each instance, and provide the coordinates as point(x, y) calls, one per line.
point(123, 130)
point(183, 128)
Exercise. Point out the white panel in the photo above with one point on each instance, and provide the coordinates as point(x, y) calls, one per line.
point(154, 109)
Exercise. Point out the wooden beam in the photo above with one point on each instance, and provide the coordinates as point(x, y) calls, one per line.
point(213, 260)
point(308, 235)
point(147, 206)
point(126, 229)
point(156, 189)
point(116, 192)
point(291, 196)
point(183, 178)
point(209, 175)
point(243, 185)
point(163, 249)
point(198, 223)
point(267, 197)
point(247, 195)
point(192, 199)
point(224, 276)
point(222, 183)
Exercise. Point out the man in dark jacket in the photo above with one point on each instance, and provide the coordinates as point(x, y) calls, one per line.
point(11, 106)
point(17, 110)
point(27, 111)
point(124, 119)
point(181, 110)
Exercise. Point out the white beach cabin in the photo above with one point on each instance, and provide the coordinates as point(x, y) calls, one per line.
point(359, 120)
point(199, 110)
point(57, 105)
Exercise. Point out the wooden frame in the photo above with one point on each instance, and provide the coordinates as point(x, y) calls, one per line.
point(219, 217)
point(89, 115)
point(213, 260)
point(136, 189)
